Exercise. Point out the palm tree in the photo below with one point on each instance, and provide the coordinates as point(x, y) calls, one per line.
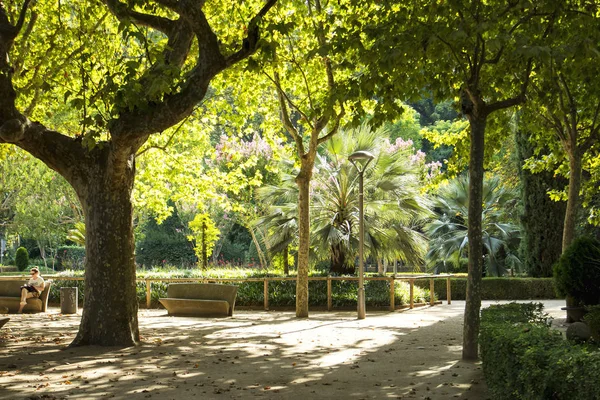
point(77, 234)
point(282, 220)
point(448, 232)
point(393, 210)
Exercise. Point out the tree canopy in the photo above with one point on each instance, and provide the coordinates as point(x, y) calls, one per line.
point(169, 108)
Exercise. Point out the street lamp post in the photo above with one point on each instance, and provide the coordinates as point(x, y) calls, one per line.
point(360, 160)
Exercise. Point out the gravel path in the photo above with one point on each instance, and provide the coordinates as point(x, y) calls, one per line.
point(411, 354)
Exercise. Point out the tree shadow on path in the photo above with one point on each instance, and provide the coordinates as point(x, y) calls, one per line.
point(410, 355)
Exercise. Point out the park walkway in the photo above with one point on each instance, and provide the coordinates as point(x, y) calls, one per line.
point(411, 354)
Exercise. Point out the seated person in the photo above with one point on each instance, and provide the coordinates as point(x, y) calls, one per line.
point(33, 288)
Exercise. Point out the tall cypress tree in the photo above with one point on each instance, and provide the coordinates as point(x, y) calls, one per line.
point(542, 218)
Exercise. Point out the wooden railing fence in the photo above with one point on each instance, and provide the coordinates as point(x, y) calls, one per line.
point(391, 279)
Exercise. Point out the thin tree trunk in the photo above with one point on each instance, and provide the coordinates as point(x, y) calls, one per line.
point(110, 307)
point(261, 256)
point(42, 253)
point(217, 251)
point(303, 182)
point(473, 297)
point(573, 198)
point(380, 266)
point(286, 264)
point(267, 244)
point(204, 250)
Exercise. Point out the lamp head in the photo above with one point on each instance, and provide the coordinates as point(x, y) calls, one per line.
point(361, 155)
point(360, 160)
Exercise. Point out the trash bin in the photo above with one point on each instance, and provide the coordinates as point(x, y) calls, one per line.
point(68, 300)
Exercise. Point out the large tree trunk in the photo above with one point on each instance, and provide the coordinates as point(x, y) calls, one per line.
point(573, 197)
point(111, 305)
point(473, 298)
point(303, 182)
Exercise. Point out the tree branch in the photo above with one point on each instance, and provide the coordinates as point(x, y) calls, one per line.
point(250, 42)
point(447, 44)
point(55, 69)
point(289, 101)
point(132, 127)
point(299, 67)
point(59, 152)
point(124, 13)
point(595, 119)
point(555, 124)
point(519, 99)
point(594, 130)
point(572, 110)
point(164, 147)
point(21, 19)
point(174, 4)
point(285, 116)
point(334, 129)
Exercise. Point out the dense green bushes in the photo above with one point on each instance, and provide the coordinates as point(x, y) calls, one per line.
point(592, 319)
point(344, 292)
point(523, 358)
point(70, 257)
point(577, 273)
point(22, 259)
point(497, 288)
point(281, 293)
point(54, 296)
point(165, 243)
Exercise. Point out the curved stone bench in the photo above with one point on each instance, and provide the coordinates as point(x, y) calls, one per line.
point(200, 299)
point(10, 296)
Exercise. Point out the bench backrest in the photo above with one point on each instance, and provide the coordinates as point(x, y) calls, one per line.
point(202, 291)
point(12, 288)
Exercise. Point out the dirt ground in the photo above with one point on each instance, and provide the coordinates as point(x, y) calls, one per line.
point(410, 354)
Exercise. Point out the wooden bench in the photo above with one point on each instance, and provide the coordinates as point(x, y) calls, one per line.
point(200, 299)
point(10, 296)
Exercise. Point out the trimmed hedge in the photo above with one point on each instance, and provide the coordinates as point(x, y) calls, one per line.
point(70, 257)
point(54, 295)
point(497, 288)
point(282, 293)
point(523, 358)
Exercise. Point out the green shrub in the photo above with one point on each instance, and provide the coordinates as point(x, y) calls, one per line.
point(281, 293)
point(54, 295)
point(70, 257)
point(514, 313)
point(165, 243)
point(22, 259)
point(592, 319)
point(577, 273)
point(496, 288)
point(523, 358)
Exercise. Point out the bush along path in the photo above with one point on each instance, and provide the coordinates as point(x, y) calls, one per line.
point(524, 358)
